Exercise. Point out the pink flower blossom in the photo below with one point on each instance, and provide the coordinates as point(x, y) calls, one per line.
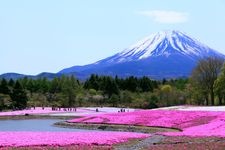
point(16, 139)
point(192, 123)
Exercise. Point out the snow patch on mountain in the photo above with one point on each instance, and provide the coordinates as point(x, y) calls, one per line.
point(164, 43)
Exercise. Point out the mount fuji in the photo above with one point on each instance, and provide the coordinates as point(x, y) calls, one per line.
point(166, 54)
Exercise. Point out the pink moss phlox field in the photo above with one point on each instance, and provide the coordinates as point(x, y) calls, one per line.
point(164, 118)
point(37, 110)
point(192, 123)
point(17, 139)
point(215, 127)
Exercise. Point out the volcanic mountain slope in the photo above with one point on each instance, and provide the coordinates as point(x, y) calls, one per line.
point(167, 54)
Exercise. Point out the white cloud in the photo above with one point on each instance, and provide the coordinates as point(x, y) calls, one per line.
point(169, 17)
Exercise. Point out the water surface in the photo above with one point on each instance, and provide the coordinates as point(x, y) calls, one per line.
point(34, 125)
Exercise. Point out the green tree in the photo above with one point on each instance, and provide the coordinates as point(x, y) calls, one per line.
point(31, 86)
point(126, 97)
point(219, 85)
point(166, 90)
point(114, 99)
point(205, 74)
point(37, 99)
point(131, 84)
point(93, 82)
point(43, 85)
point(69, 89)
point(11, 85)
point(5, 101)
point(110, 87)
point(146, 84)
point(19, 96)
point(153, 102)
point(92, 92)
point(4, 87)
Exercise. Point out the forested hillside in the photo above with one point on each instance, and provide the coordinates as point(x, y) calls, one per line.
point(205, 87)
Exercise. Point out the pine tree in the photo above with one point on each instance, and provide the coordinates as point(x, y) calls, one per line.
point(11, 85)
point(19, 96)
point(4, 87)
point(145, 84)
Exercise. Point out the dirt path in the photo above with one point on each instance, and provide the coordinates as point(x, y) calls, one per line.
point(140, 144)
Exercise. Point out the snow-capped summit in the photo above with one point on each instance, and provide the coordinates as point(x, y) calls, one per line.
point(166, 54)
point(163, 43)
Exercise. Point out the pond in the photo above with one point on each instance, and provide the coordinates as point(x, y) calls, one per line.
point(34, 125)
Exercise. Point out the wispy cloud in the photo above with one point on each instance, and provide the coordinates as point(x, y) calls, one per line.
point(169, 17)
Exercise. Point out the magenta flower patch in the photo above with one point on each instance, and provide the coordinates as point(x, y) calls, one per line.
point(192, 123)
point(16, 139)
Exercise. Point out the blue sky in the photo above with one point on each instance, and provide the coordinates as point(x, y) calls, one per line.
point(49, 35)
